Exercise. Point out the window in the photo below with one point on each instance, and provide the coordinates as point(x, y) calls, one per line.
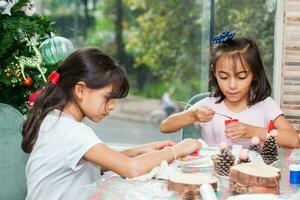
point(164, 47)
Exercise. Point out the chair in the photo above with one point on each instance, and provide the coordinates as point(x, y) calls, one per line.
point(191, 131)
point(12, 158)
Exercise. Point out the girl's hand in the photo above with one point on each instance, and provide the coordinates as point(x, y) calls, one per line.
point(155, 146)
point(236, 130)
point(202, 114)
point(186, 147)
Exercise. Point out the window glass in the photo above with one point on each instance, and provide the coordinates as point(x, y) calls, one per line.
point(164, 47)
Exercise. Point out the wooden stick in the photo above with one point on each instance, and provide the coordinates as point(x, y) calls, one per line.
point(183, 103)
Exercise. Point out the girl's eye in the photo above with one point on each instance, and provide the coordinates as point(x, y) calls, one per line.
point(223, 75)
point(242, 76)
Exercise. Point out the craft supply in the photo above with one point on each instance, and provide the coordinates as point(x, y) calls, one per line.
point(187, 185)
point(207, 192)
point(183, 103)
point(269, 150)
point(271, 126)
point(294, 174)
point(227, 122)
point(223, 161)
point(255, 141)
point(244, 158)
point(254, 178)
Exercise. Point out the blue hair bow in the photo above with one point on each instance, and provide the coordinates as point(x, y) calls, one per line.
point(223, 37)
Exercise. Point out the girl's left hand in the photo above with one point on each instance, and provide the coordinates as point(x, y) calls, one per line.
point(156, 146)
point(236, 130)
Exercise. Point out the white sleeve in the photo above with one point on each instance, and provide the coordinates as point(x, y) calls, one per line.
point(272, 110)
point(82, 139)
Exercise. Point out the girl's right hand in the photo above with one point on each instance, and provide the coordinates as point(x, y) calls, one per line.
point(202, 114)
point(186, 147)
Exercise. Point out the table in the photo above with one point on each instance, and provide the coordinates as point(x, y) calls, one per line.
point(117, 188)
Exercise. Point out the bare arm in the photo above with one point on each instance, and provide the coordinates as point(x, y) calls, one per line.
point(182, 119)
point(144, 148)
point(287, 135)
point(126, 166)
point(177, 121)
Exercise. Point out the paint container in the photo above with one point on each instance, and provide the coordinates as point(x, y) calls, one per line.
point(294, 173)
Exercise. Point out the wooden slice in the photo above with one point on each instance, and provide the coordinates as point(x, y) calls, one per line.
point(254, 178)
point(187, 184)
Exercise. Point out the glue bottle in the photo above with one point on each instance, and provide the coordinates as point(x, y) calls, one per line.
point(207, 192)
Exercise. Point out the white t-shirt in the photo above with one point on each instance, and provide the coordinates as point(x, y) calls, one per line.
point(257, 115)
point(56, 165)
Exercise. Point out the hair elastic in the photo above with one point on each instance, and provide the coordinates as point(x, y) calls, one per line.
point(223, 37)
point(54, 77)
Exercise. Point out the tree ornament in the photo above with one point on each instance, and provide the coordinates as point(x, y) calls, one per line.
point(223, 161)
point(255, 144)
point(29, 8)
point(13, 74)
point(55, 49)
point(27, 82)
point(244, 158)
point(269, 151)
point(5, 6)
point(33, 62)
point(33, 97)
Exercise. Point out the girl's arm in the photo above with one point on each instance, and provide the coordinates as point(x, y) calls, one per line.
point(287, 135)
point(137, 150)
point(126, 166)
point(182, 119)
point(177, 121)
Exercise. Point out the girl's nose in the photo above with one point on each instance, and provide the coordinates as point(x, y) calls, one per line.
point(232, 83)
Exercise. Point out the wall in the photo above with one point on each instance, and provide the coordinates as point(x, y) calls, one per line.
point(290, 72)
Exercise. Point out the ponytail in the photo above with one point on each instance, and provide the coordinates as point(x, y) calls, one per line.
point(52, 97)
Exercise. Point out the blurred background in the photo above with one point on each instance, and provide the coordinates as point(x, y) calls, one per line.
point(164, 47)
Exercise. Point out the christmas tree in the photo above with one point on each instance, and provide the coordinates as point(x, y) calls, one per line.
point(25, 51)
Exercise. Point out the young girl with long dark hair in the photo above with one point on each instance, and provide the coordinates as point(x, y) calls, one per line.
point(64, 152)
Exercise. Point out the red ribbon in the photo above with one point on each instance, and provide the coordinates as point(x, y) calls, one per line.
point(33, 97)
point(271, 126)
point(54, 77)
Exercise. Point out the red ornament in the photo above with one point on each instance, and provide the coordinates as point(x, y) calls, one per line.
point(33, 97)
point(27, 82)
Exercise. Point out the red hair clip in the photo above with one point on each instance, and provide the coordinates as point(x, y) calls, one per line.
point(54, 77)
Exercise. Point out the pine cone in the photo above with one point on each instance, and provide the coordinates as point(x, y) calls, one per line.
point(256, 148)
point(269, 150)
point(223, 162)
point(189, 195)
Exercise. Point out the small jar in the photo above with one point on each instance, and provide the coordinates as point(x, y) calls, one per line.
point(294, 173)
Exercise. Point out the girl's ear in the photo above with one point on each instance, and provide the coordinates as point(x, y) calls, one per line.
point(79, 90)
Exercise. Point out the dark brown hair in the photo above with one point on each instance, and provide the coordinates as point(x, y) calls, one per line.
point(243, 50)
point(90, 65)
